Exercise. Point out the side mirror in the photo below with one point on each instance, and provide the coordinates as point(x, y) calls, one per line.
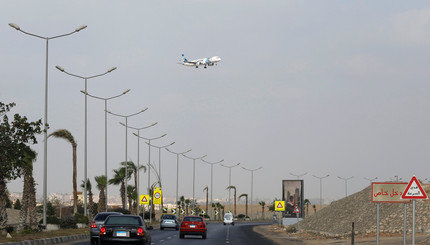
point(150, 227)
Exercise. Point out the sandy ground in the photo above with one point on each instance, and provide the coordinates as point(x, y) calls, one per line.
point(279, 236)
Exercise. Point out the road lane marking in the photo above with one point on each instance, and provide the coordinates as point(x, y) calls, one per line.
point(227, 238)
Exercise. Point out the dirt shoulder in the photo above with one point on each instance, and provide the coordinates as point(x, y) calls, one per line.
point(279, 236)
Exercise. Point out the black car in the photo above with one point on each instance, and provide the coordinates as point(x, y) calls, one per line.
point(125, 229)
point(97, 223)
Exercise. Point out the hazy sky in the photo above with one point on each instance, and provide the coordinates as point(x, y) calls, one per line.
point(317, 87)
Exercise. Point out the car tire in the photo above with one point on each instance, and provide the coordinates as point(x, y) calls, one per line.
point(177, 228)
point(232, 223)
point(161, 228)
point(204, 236)
point(94, 241)
point(224, 223)
point(181, 235)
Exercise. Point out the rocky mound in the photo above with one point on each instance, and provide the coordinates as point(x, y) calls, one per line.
point(337, 218)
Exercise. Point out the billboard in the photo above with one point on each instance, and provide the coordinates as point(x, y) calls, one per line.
point(292, 194)
point(390, 192)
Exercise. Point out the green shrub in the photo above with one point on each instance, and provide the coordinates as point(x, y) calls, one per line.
point(68, 222)
point(291, 229)
point(240, 216)
point(52, 220)
point(80, 218)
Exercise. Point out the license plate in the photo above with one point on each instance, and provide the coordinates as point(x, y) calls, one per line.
point(192, 226)
point(169, 222)
point(121, 233)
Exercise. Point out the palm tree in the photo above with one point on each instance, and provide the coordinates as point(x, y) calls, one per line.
point(132, 195)
point(90, 198)
point(234, 199)
point(65, 134)
point(262, 203)
point(307, 203)
point(207, 200)
point(246, 203)
point(187, 205)
point(101, 185)
point(133, 169)
point(119, 179)
point(27, 205)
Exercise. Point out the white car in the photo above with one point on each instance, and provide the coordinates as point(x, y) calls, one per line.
point(228, 219)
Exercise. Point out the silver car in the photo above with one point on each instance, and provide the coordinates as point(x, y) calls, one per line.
point(169, 221)
point(97, 223)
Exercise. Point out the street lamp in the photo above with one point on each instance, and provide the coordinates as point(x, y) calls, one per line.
point(86, 134)
point(138, 155)
point(370, 180)
point(346, 184)
point(298, 175)
point(106, 100)
point(45, 128)
point(252, 182)
point(229, 180)
point(321, 186)
point(177, 169)
point(212, 170)
point(194, 174)
point(126, 142)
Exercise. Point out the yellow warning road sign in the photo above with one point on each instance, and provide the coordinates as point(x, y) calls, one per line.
point(144, 199)
point(157, 196)
point(279, 205)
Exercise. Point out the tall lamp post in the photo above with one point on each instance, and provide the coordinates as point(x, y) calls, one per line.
point(346, 184)
point(106, 100)
point(138, 155)
point(86, 119)
point(126, 142)
point(177, 169)
point(45, 128)
point(212, 175)
point(194, 174)
point(322, 177)
point(298, 175)
point(370, 179)
point(252, 182)
point(229, 180)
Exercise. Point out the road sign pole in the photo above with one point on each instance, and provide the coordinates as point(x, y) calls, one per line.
point(404, 224)
point(377, 223)
point(413, 222)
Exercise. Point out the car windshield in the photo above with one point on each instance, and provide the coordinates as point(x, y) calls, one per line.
point(123, 220)
point(227, 216)
point(195, 219)
point(169, 217)
point(103, 216)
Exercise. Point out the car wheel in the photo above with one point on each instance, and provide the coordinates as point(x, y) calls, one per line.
point(204, 236)
point(161, 228)
point(181, 235)
point(232, 223)
point(94, 241)
point(177, 228)
point(224, 223)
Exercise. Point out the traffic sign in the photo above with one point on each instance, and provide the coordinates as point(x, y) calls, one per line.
point(279, 205)
point(144, 199)
point(164, 210)
point(296, 209)
point(157, 196)
point(414, 190)
point(182, 211)
point(193, 212)
point(216, 212)
point(203, 212)
point(173, 210)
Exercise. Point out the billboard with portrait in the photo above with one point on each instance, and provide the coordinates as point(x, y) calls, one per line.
point(292, 194)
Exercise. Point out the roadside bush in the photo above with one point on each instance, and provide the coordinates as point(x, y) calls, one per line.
point(68, 222)
point(80, 218)
point(240, 216)
point(291, 229)
point(9, 229)
point(147, 215)
point(52, 220)
point(121, 210)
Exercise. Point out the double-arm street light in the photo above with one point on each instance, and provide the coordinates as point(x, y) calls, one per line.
point(86, 134)
point(177, 169)
point(346, 184)
point(159, 162)
point(298, 175)
point(194, 174)
point(106, 100)
point(229, 180)
point(45, 128)
point(322, 177)
point(212, 182)
point(370, 179)
point(138, 155)
point(252, 182)
point(126, 142)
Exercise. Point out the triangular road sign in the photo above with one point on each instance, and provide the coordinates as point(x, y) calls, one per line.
point(414, 190)
point(280, 205)
point(296, 209)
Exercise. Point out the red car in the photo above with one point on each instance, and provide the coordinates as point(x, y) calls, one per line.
point(193, 225)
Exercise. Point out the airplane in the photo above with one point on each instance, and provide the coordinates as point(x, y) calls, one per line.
point(203, 61)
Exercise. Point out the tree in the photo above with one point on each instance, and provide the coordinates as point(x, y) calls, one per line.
point(90, 198)
point(234, 197)
point(14, 139)
point(65, 134)
point(101, 185)
point(119, 179)
point(246, 203)
point(133, 169)
point(187, 205)
point(262, 203)
point(17, 205)
point(207, 198)
point(132, 196)
point(307, 203)
point(28, 193)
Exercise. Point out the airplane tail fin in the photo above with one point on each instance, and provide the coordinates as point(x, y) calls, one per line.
point(183, 58)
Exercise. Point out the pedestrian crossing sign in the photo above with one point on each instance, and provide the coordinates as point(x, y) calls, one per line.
point(279, 205)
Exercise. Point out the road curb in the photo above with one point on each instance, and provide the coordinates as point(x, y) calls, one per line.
point(52, 240)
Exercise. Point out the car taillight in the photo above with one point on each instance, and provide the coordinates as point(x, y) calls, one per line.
point(176, 221)
point(103, 231)
point(182, 224)
point(93, 224)
point(161, 221)
point(140, 231)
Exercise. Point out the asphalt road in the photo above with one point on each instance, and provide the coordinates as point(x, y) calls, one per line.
point(240, 233)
